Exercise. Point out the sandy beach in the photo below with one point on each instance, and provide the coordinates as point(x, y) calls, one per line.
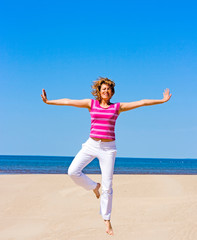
point(52, 207)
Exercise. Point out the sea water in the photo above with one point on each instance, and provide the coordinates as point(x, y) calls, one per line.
point(15, 164)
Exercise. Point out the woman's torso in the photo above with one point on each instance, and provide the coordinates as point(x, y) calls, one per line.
point(103, 121)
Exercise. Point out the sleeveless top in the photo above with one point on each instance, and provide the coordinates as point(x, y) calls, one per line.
point(103, 120)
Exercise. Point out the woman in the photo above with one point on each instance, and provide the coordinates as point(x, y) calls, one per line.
point(101, 143)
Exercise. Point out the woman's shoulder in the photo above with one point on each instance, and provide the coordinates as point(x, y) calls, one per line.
point(116, 104)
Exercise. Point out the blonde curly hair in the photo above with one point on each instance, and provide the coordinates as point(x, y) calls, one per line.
point(96, 87)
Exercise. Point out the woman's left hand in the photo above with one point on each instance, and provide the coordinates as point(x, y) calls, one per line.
point(166, 95)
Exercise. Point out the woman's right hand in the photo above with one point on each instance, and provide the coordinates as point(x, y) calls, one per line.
point(44, 96)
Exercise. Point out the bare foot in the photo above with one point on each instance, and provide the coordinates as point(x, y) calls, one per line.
point(96, 190)
point(109, 229)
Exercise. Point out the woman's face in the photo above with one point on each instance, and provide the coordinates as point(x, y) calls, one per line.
point(106, 92)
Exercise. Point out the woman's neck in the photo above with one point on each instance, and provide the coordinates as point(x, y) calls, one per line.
point(104, 102)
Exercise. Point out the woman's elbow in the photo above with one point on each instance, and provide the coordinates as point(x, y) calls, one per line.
point(67, 101)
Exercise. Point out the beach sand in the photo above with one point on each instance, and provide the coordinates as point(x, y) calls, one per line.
point(52, 207)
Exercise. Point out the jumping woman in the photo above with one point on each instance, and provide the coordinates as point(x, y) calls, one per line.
point(101, 143)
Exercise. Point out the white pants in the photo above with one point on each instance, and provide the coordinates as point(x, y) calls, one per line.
point(106, 153)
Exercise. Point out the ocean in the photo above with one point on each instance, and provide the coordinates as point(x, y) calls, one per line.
point(16, 164)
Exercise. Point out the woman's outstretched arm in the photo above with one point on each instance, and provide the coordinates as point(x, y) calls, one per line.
point(85, 103)
point(145, 102)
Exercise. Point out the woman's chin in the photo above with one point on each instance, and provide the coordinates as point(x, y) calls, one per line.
point(106, 98)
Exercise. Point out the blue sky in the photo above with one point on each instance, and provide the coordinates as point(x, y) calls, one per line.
point(63, 46)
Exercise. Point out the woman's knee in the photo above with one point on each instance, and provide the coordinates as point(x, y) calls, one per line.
point(73, 172)
point(107, 191)
point(107, 184)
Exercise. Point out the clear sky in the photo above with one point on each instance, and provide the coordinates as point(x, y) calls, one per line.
point(62, 46)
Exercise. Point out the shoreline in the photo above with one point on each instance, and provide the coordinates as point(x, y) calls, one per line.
point(55, 165)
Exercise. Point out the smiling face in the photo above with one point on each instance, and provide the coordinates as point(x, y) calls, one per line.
point(103, 89)
point(106, 92)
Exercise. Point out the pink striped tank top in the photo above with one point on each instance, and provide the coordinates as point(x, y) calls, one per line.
point(103, 120)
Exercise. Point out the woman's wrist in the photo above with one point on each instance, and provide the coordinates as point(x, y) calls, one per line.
point(164, 100)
